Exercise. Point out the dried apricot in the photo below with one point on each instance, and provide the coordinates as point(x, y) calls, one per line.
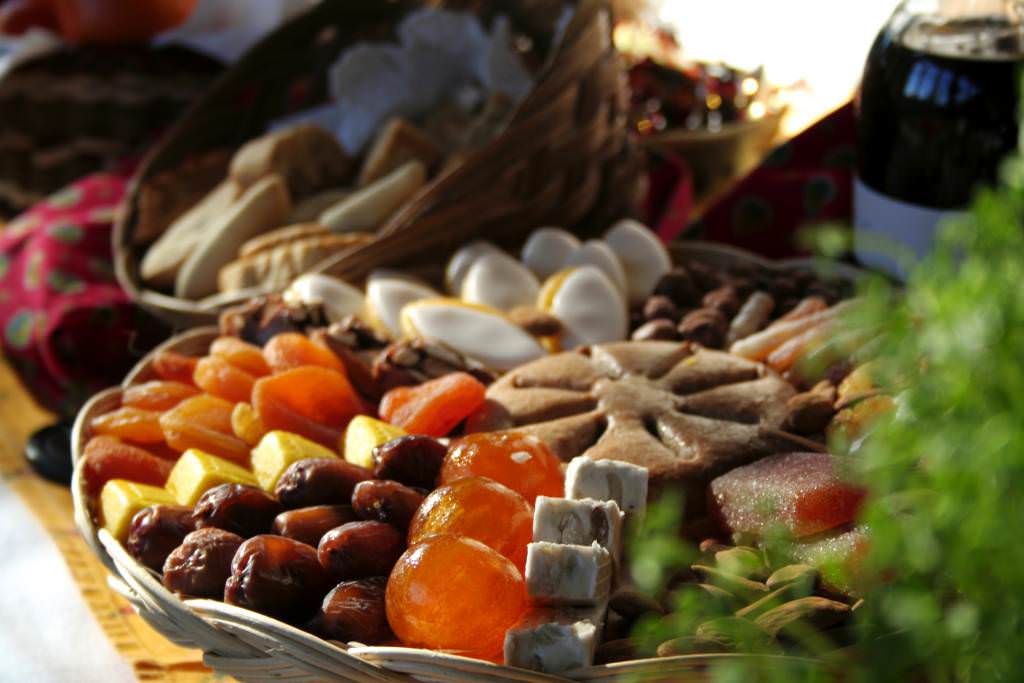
point(204, 422)
point(452, 593)
point(131, 424)
point(290, 350)
point(157, 395)
point(241, 354)
point(520, 462)
point(480, 509)
point(310, 401)
point(216, 376)
point(173, 366)
point(106, 458)
point(433, 408)
point(246, 424)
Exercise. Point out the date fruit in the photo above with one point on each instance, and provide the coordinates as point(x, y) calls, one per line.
point(410, 460)
point(200, 566)
point(355, 610)
point(157, 530)
point(359, 550)
point(277, 576)
point(308, 525)
point(319, 481)
point(388, 501)
point(239, 508)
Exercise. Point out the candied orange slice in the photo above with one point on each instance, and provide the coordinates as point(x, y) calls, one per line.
point(157, 395)
point(204, 422)
point(130, 424)
point(242, 355)
point(310, 401)
point(174, 366)
point(216, 376)
point(433, 408)
point(107, 458)
point(290, 350)
point(521, 462)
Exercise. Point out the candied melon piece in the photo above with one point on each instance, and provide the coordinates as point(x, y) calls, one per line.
point(121, 499)
point(456, 594)
point(839, 556)
point(106, 458)
point(363, 435)
point(216, 376)
point(433, 408)
point(802, 492)
point(196, 472)
point(277, 450)
point(311, 401)
point(480, 509)
point(204, 422)
point(290, 350)
point(157, 395)
point(173, 366)
point(241, 354)
point(522, 463)
point(246, 424)
point(131, 424)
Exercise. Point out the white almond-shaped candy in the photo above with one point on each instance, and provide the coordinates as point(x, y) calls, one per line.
point(388, 292)
point(578, 522)
point(462, 260)
point(622, 482)
point(553, 640)
point(598, 253)
point(591, 308)
point(547, 249)
point(339, 298)
point(499, 281)
point(475, 331)
point(643, 257)
point(558, 574)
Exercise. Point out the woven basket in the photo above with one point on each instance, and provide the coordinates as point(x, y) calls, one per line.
point(252, 647)
point(565, 157)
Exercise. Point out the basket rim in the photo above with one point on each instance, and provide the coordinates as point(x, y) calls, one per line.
point(228, 621)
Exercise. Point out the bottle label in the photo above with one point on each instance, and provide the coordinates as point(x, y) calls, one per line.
point(888, 234)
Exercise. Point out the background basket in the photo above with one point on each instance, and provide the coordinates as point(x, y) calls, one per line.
point(565, 157)
point(253, 647)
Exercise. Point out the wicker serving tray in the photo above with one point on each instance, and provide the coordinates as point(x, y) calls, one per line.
point(253, 647)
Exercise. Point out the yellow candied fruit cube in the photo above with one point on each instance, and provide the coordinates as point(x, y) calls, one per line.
point(246, 424)
point(197, 472)
point(120, 499)
point(277, 450)
point(363, 435)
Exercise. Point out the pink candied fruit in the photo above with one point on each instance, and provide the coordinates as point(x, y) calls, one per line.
point(802, 492)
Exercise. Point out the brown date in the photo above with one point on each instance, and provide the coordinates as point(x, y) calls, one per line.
point(308, 525)
point(199, 567)
point(410, 460)
point(156, 531)
point(276, 576)
point(386, 501)
point(360, 549)
point(319, 481)
point(238, 508)
point(354, 610)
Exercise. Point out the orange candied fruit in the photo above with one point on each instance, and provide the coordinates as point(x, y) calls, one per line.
point(480, 509)
point(241, 354)
point(157, 395)
point(453, 593)
point(433, 408)
point(216, 376)
point(106, 458)
point(521, 462)
point(290, 350)
point(173, 366)
point(310, 401)
point(246, 424)
point(204, 422)
point(131, 424)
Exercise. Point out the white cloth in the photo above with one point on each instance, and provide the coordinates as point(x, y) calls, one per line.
point(46, 630)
